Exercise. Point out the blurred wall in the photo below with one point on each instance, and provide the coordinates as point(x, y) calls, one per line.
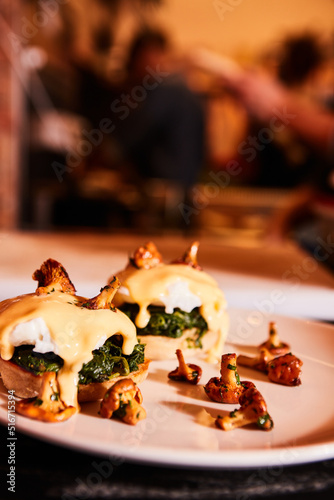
point(11, 118)
point(243, 27)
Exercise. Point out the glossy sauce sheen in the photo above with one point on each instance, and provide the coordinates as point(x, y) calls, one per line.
point(146, 286)
point(76, 331)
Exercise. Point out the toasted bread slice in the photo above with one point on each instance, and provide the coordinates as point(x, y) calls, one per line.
point(26, 384)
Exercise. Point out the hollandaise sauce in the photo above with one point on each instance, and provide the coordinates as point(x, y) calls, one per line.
point(71, 329)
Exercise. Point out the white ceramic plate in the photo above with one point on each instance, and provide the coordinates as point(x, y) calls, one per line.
point(179, 428)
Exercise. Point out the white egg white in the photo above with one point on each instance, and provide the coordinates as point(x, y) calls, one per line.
point(35, 332)
point(180, 296)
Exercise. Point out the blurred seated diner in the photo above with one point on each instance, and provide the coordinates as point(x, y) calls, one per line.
point(158, 128)
point(309, 213)
point(138, 144)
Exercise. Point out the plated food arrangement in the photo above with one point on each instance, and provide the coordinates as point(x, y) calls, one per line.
point(174, 305)
point(60, 350)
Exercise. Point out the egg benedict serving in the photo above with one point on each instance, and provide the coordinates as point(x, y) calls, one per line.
point(59, 349)
point(174, 306)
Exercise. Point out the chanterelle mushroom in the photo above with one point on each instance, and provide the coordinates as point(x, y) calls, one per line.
point(189, 258)
point(227, 388)
point(52, 276)
point(185, 372)
point(274, 344)
point(123, 400)
point(253, 410)
point(47, 406)
point(258, 363)
point(285, 370)
point(104, 299)
point(146, 256)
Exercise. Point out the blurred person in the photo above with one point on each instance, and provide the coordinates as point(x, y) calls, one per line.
point(309, 216)
point(163, 134)
point(68, 92)
point(158, 127)
point(283, 158)
point(262, 95)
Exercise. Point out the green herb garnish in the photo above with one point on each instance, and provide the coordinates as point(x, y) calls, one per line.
point(265, 422)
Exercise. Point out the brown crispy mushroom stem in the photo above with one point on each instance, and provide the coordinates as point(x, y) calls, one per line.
point(52, 276)
point(253, 410)
point(186, 372)
point(123, 400)
point(146, 256)
point(47, 406)
point(104, 299)
point(258, 363)
point(285, 370)
point(274, 344)
point(189, 258)
point(227, 388)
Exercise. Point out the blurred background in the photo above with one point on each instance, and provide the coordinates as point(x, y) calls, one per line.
point(106, 124)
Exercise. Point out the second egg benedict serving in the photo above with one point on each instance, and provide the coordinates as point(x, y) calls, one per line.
point(174, 306)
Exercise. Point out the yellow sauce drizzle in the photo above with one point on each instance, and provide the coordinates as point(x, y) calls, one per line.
point(147, 286)
point(76, 331)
